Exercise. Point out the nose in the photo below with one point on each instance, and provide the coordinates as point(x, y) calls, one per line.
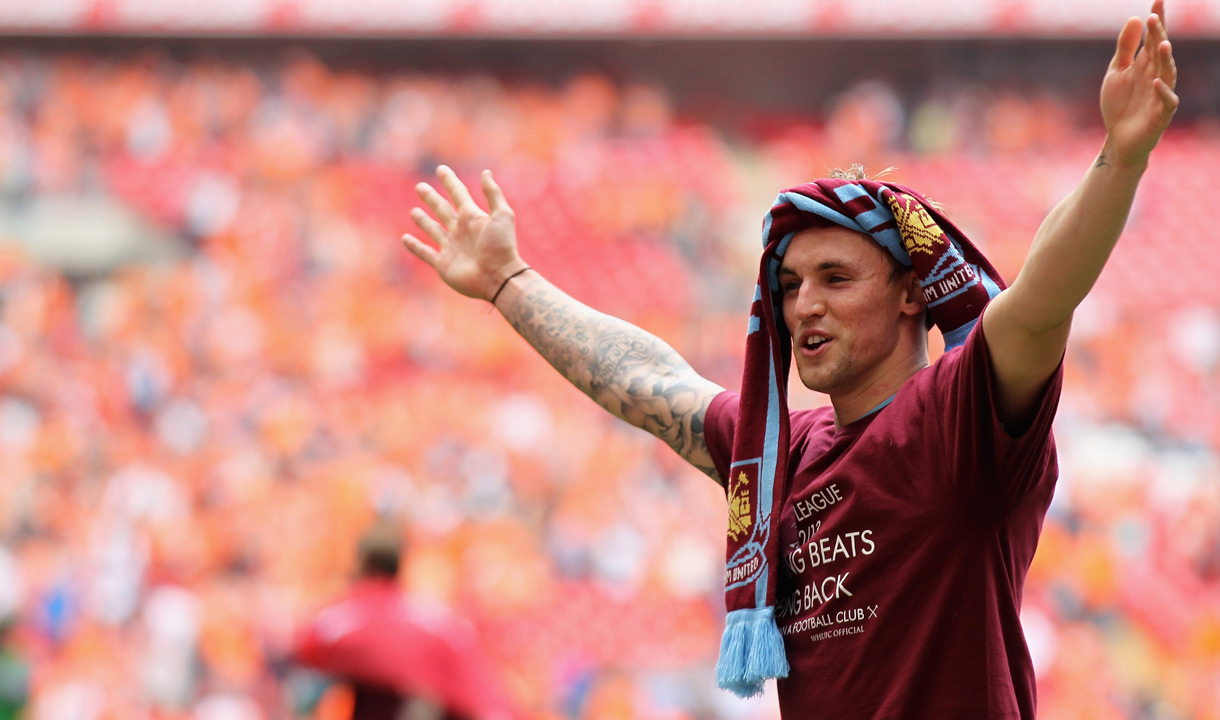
point(809, 302)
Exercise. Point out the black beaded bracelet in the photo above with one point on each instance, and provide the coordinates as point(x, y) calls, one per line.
point(505, 283)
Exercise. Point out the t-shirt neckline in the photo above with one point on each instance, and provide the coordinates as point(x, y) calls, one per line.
point(859, 424)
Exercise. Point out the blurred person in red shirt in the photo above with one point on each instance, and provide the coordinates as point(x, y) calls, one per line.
point(911, 508)
point(402, 658)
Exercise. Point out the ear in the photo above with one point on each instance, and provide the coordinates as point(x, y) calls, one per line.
point(912, 301)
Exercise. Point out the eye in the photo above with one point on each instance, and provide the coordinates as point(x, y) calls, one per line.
point(790, 286)
point(837, 279)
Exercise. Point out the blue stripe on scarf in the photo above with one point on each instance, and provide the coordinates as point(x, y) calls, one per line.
point(891, 240)
point(782, 247)
point(773, 262)
point(945, 266)
point(766, 474)
point(755, 320)
point(871, 219)
point(992, 288)
point(850, 192)
point(766, 230)
point(868, 219)
point(760, 587)
point(809, 205)
point(955, 338)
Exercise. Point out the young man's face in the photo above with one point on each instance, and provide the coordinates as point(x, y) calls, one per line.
point(843, 306)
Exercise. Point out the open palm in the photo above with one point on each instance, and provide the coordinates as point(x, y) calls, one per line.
point(474, 251)
point(1137, 94)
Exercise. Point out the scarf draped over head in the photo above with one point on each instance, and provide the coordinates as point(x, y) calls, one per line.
point(957, 283)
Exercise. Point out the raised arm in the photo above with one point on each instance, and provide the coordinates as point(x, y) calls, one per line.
point(1027, 325)
point(626, 370)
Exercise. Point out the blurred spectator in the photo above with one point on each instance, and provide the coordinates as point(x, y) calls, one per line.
point(401, 658)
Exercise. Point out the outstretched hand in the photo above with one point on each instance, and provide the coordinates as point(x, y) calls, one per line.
point(1137, 98)
point(475, 252)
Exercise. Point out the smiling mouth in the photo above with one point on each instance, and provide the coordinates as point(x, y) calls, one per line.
point(815, 343)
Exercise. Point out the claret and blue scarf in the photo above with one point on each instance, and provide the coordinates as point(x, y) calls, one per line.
point(957, 283)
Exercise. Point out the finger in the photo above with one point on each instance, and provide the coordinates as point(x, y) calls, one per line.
point(1147, 57)
point(1156, 35)
point(1158, 9)
point(435, 230)
point(457, 191)
point(420, 249)
point(495, 196)
point(1168, 97)
point(1169, 66)
point(436, 203)
point(1128, 43)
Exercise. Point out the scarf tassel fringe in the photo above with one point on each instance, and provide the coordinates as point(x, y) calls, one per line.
point(751, 652)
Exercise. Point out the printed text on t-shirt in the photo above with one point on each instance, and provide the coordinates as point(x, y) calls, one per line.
point(816, 502)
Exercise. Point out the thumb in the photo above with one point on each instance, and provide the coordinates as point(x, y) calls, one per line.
point(1128, 44)
point(496, 201)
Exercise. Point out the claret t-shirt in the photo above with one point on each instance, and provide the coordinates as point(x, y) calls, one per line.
point(906, 537)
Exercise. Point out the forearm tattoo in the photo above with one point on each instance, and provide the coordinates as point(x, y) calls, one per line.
point(629, 372)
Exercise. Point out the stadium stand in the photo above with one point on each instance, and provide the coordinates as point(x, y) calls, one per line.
point(217, 366)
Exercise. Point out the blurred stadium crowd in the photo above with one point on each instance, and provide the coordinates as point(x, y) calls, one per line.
point(195, 428)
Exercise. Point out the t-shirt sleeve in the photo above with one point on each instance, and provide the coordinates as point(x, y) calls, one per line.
point(1003, 466)
point(718, 427)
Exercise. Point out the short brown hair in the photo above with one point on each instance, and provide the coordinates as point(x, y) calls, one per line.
point(380, 551)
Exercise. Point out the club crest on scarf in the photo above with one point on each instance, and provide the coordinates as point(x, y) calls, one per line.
point(920, 233)
point(740, 514)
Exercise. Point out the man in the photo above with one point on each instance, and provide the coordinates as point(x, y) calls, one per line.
point(402, 659)
point(906, 517)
